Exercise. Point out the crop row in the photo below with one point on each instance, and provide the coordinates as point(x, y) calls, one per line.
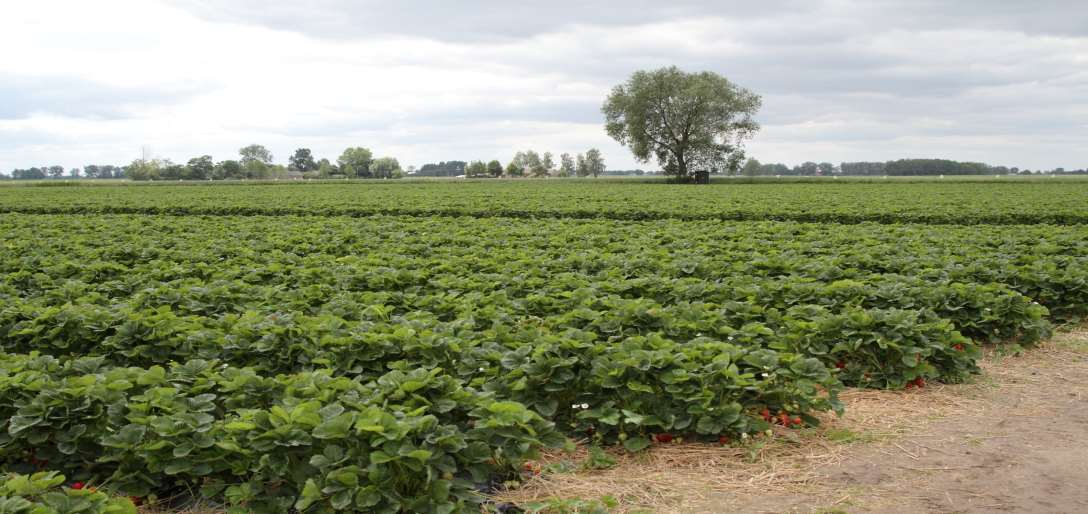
point(171, 353)
point(937, 203)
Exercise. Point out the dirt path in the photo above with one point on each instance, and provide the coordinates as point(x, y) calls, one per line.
point(1014, 441)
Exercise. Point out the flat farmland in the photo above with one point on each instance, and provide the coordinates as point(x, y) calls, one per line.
point(412, 347)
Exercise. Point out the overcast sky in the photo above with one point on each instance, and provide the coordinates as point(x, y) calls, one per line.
point(81, 82)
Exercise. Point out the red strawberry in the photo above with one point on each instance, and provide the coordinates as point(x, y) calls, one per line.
point(664, 437)
point(723, 440)
point(797, 421)
point(77, 485)
point(840, 365)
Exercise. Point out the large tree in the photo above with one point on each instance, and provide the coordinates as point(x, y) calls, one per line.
point(688, 121)
point(255, 153)
point(357, 159)
point(303, 160)
point(594, 162)
point(386, 167)
point(494, 168)
point(200, 168)
point(566, 165)
point(476, 169)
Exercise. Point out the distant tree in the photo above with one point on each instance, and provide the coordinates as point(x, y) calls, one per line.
point(751, 168)
point(581, 166)
point(443, 169)
point(254, 169)
point(171, 171)
point(530, 162)
point(548, 162)
point(806, 168)
point(826, 168)
point(228, 169)
point(494, 168)
point(476, 169)
point(200, 168)
point(686, 120)
point(56, 171)
point(73, 172)
point(594, 162)
point(386, 167)
point(111, 171)
point(357, 159)
point(566, 165)
point(302, 160)
point(142, 169)
point(325, 169)
point(91, 171)
point(255, 153)
point(513, 169)
point(29, 173)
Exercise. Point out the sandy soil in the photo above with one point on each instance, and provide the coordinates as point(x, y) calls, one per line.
point(1021, 446)
point(1016, 440)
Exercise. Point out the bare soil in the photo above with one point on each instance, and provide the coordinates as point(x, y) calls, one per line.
point(1015, 440)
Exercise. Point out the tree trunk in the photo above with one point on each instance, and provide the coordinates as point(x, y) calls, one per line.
point(682, 169)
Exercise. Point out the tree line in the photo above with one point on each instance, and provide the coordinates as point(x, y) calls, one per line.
point(526, 163)
point(256, 162)
point(57, 172)
point(900, 167)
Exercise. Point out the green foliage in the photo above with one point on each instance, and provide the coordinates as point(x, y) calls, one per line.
point(44, 493)
point(357, 159)
point(604, 505)
point(688, 122)
point(405, 363)
point(302, 160)
point(964, 203)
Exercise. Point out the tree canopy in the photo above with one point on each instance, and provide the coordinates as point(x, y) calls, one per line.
point(255, 153)
point(688, 121)
point(303, 160)
point(356, 159)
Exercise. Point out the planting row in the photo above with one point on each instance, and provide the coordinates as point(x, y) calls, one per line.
point(945, 203)
point(412, 441)
point(407, 363)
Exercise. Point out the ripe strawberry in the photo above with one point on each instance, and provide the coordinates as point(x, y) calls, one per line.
point(797, 421)
point(664, 437)
point(766, 413)
point(840, 365)
point(723, 439)
point(77, 485)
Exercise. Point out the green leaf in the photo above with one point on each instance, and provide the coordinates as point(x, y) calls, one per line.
point(635, 444)
point(335, 428)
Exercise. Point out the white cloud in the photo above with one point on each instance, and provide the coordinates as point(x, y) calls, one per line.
point(92, 82)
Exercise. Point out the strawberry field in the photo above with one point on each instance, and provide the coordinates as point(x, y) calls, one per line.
point(998, 201)
point(286, 348)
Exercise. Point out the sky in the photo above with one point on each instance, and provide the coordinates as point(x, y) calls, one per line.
point(1002, 82)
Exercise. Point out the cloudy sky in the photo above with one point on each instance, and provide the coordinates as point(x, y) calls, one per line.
point(1004, 82)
